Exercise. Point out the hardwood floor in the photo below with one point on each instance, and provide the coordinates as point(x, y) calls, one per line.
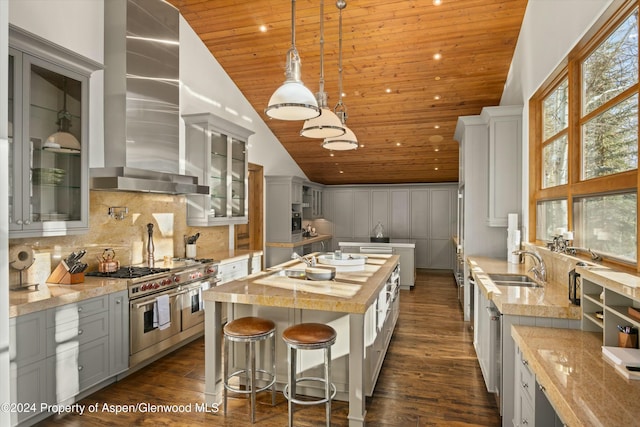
point(430, 377)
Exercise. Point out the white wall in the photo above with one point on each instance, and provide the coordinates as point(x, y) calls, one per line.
point(550, 29)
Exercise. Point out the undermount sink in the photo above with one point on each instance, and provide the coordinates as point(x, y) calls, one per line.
point(308, 273)
point(513, 280)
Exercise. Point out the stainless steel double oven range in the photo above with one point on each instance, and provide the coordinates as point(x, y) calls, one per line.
point(183, 283)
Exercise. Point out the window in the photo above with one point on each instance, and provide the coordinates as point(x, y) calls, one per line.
point(552, 216)
point(584, 167)
point(607, 224)
point(555, 120)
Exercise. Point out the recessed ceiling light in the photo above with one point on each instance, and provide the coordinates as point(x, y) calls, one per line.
point(361, 145)
point(331, 154)
point(398, 144)
point(435, 169)
point(437, 2)
point(388, 90)
point(263, 28)
point(436, 97)
point(437, 56)
point(344, 95)
point(437, 78)
point(436, 150)
point(341, 171)
point(436, 127)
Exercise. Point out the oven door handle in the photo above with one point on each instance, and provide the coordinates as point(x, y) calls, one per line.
point(151, 301)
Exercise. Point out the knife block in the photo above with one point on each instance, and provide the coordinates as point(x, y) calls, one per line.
point(62, 276)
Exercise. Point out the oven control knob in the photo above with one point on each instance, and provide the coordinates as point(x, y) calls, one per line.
point(176, 279)
point(211, 270)
point(143, 287)
point(166, 282)
point(156, 285)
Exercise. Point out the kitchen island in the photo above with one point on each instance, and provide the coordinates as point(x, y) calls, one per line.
point(361, 305)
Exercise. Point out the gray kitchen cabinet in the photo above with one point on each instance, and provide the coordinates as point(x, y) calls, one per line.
point(278, 208)
point(296, 190)
point(362, 208)
point(421, 217)
point(312, 203)
point(343, 213)
point(505, 163)
point(399, 226)
point(28, 342)
point(532, 406)
point(380, 209)
point(217, 155)
point(118, 332)
point(48, 182)
point(59, 353)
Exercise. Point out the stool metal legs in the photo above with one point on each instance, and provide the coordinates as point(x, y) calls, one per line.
point(250, 372)
point(290, 389)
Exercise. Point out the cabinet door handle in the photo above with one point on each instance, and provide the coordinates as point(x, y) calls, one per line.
point(27, 222)
point(541, 387)
point(525, 421)
point(525, 385)
point(19, 221)
point(525, 362)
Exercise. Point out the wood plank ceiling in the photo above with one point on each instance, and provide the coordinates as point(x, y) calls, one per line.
point(403, 104)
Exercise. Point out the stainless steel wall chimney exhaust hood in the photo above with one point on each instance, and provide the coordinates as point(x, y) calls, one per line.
point(142, 96)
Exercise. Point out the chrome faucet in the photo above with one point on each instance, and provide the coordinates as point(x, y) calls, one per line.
point(539, 270)
point(310, 262)
point(571, 250)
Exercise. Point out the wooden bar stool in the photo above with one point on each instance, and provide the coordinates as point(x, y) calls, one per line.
point(250, 330)
point(309, 336)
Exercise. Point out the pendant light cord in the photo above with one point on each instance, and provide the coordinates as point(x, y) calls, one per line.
point(321, 86)
point(340, 107)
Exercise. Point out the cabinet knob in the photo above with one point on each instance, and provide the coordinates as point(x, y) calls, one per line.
point(525, 421)
point(80, 331)
point(525, 362)
point(19, 221)
point(27, 222)
point(118, 301)
point(525, 385)
point(541, 387)
point(80, 368)
point(79, 309)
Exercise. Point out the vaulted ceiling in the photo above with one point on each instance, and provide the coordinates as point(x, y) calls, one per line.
point(403, 103)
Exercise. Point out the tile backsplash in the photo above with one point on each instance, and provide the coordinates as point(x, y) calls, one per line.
point(127, 237)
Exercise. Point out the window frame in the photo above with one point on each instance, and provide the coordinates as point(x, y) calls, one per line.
point(570, 68)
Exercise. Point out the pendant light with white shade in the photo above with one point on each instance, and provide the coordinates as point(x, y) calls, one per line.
point(63, 141)
point(327, 124)
point(292, 100)
point(348, 141)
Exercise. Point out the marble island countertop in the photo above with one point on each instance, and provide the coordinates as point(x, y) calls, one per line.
point(350, 292)
point(582, 387)
point(549, 300)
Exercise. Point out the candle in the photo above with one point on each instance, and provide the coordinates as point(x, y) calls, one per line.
point(568, 235)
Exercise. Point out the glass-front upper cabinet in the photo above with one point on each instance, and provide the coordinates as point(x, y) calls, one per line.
point(216, 152)
point(48, 138)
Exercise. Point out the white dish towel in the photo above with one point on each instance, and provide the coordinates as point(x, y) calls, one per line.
point(161, 312)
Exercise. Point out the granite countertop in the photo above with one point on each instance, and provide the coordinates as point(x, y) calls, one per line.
point(304, 241)
point(581, 386)
point(550, 300)
point(350, 292)
point(620, 282)
point(49, 295)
